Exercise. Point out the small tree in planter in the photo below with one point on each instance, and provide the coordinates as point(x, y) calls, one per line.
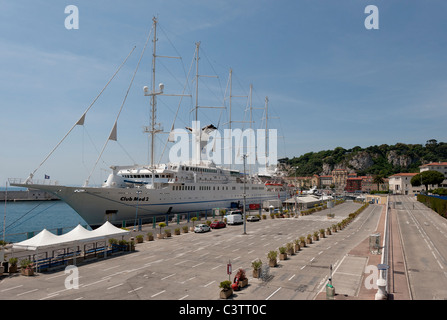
point(149, 236)
point(297, 245)
point(256, 265)
point(282, 253)
point(328, 231)
point(226, 291)
point(26, 267)
point(177, 231)
point(193, 219)
point(168, 232)
point(334, 228)
point(12, 268)
point(243, 281)
point(321, 233)
point(139, 238)
point(309, 239)
point(185, 229)
point(161, 235)
point(289, 247)
point(272, 255)
point(303, 242)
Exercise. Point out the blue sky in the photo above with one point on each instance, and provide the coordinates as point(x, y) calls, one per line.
point(330, 81)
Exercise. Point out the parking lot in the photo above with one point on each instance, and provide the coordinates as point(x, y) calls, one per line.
point(190, 266)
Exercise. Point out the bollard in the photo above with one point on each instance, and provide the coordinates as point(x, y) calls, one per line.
point(381, 292)
point(330, 292)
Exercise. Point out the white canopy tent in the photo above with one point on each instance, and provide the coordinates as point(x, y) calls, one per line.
point(45, 239)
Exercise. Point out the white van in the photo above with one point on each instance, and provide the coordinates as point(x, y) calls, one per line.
point(234, 219)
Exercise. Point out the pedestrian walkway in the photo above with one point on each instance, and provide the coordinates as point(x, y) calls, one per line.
point(352, 279)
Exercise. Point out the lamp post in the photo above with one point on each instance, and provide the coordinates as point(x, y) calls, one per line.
point(136, 211)
point(245, 217)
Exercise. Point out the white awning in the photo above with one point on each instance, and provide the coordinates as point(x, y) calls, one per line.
point(46, 239)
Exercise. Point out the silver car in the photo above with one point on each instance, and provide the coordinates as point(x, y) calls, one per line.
point(201, 228)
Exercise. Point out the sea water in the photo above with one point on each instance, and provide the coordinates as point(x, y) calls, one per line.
point(25, 218)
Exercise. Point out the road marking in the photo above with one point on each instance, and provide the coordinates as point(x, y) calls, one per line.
point(111, 268)
point(209, 283)
point(303, 267)
point(273, 293)
point(216, 267)
point(106, 278)
point(50, 296)
point(20, 294)
point(197, 264)
point(12, 288)
point(134, 289)
point(187, 280)
point(292, 277)
point(120, 284)
point(167, 276)
point(154, 295)
point(250, 251)
point(184, 297)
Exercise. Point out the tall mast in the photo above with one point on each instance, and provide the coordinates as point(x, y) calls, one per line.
point(153, 98)
point(197, 80)
point(266, 130)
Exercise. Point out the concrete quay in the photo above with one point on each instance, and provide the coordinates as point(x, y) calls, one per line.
point(191, 266)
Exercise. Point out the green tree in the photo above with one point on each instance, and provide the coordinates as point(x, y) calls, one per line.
point(427, 177)
point(378, 180)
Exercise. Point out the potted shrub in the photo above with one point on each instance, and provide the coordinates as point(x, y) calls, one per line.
point(256, 265)
point(168, 232)
point(302, 242)
point(26, 267)
point(272, 258)
point(321, 233)
point(149, 236)
point(185, 229)
point(131, 246)
point(139, 238)
point(123, 245)
point(264, 217)
point(315, 238)
point(161, 235)
point(12, 268)
point(177, 231)
point(226, 291)
point(282, 253)
point(309, 239)
point(297, 244)
point(328, 231)
point(289, 247)
point(334, 228)
point(243, 280)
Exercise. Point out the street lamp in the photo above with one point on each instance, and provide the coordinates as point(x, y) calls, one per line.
point(244, 156)
point(136, 211)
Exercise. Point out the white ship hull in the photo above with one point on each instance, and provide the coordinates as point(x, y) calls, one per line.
point(97, 205)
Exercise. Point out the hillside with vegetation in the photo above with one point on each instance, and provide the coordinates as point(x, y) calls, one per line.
point(383, 160)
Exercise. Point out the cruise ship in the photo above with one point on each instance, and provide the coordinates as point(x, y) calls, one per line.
point(147, 191)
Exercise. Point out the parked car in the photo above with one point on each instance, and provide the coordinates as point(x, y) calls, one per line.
point(202, 228)
point(217, 224)
point(252, 218)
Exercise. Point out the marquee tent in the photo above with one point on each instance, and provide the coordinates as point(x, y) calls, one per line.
point(46, 239)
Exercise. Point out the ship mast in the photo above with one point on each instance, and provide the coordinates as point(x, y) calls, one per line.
point(154, 127)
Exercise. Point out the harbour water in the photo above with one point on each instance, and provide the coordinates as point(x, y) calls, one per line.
point(24, 217)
